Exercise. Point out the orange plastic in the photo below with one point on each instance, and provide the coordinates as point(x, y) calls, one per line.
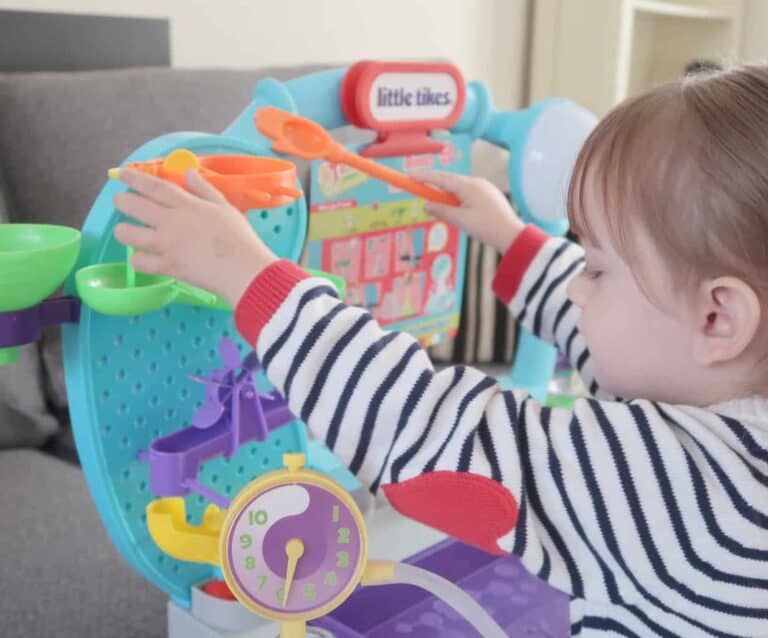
point(304, 138)
point(247, 182)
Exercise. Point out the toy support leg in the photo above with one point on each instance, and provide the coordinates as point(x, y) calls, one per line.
point(293, 629)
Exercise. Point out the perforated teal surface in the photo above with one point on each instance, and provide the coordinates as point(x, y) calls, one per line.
point(128, 382)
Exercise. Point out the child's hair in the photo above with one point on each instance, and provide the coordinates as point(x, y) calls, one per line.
point(688, 163)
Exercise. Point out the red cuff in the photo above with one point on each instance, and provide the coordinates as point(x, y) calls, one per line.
point(264, 296)
point(515, 262)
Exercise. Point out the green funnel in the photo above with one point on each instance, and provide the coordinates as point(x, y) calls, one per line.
point(34, 261)
point(113, 289)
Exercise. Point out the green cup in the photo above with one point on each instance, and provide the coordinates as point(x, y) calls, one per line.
point(106, 288)
point(34, 261)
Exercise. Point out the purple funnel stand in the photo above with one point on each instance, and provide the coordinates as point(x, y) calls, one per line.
point(175, 459)
point(520, 603)
point(234, 413)
point(20, 327)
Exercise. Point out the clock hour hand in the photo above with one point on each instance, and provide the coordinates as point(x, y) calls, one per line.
point(294, 550)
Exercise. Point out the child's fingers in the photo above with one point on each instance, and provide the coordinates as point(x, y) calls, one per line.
point(158, 190)
point(442, 211)
point(140, 208)
point(137, 236)
point(456, 184)
point(149, 263)
point(199, 186)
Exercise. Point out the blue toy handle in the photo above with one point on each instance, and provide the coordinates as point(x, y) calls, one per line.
point(543, 141)
point(315, 96)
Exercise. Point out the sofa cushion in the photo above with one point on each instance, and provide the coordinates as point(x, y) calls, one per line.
point(61, 575)
point(25, 419)
point(61, 131)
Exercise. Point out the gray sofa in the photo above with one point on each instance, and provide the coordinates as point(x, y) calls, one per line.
point(60, 575)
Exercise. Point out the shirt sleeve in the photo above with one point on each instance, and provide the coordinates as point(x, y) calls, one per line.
point(599, 500)
point(531, 281)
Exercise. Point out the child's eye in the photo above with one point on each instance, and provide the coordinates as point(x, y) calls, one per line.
point(591, 273)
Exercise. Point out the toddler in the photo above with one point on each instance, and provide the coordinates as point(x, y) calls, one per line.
point(648, 502)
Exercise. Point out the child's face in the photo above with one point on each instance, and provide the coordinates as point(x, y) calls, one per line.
point(640, 348)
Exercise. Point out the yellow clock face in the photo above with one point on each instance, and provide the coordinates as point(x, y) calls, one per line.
point(293, 545)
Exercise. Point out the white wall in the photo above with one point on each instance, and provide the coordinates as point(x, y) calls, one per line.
point(483, 37)
point(754, 43)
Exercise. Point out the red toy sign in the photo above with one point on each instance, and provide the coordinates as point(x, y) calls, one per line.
point(402, 102)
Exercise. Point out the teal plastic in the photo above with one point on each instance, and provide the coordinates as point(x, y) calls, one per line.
point(317, 96)
point(127, 381)
point(126, 377)
point(320, 458)
point(376, 191)
point(535, 360)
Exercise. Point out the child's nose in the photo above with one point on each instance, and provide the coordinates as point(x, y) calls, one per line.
point(576, 291)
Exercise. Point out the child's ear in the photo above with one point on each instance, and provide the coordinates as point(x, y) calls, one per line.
point(728, 317)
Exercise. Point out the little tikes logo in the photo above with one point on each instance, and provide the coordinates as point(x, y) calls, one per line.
point(407, 97)
point(424, 97)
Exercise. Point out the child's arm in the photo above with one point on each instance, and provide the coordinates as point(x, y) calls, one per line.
point(531, 281)
point(611, 501)
point(660, 510)
point(534, 272)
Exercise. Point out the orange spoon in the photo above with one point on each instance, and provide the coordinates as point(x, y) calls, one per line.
point(300, 136)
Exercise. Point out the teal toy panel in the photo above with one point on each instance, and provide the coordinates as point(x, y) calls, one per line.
point(130, 378)
point(404, 266)
point(128, 381)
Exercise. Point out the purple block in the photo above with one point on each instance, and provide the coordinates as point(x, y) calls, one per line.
point(520, 603)
point(20, 327)
point(175, 459)
point(234, 412)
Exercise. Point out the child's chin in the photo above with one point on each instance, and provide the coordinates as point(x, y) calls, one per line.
point(611, 385)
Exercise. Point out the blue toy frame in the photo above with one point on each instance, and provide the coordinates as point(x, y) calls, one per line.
point(111, 362)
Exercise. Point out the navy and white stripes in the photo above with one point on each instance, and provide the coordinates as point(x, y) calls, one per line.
point(653, 517)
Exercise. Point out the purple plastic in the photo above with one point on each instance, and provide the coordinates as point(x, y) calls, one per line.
point(323, 538)
point(563, 363)
point(20, 327)
point(175, 459)
point(234, 412)
point(520, 603)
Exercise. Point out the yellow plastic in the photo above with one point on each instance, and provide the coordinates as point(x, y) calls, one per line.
point(294, 550)
point(293, 629)
point(291, 622)
point(168, 526)
point(180, 161)
point(206, 543)
point(377, 572)
point(294, 461)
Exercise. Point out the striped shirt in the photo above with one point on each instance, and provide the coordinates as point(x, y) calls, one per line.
point(652, 517)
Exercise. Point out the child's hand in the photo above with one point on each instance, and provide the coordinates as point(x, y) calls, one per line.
point(484, 212)
point(195, 236)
